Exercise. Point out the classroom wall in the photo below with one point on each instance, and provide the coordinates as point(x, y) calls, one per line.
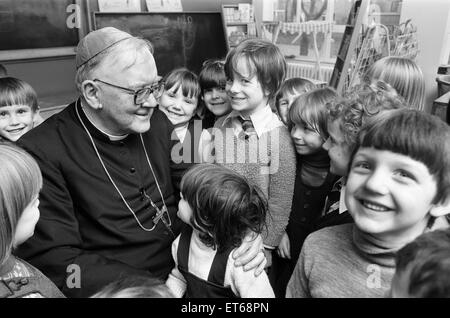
point(53, 78)
point(432, 20)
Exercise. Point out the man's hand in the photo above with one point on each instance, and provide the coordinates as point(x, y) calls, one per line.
point(250, 254)
point(284, 249)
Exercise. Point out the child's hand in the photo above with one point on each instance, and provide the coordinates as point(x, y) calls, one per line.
point(251, 254)
point(284, 249)
point(206, 147)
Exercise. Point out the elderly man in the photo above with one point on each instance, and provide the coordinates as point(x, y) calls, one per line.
point(108, 207)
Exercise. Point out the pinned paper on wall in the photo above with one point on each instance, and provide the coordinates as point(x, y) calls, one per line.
point(164, 6)
point(119, 5)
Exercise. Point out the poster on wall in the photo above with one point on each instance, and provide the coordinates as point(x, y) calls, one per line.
point(119, 5)
point(164, 6)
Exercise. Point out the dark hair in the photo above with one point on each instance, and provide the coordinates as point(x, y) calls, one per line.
point(420, 136)
point(14, 91)
point(360, 104)
point(212, 75)
point(264, 59)
point(225, 205)
point(427, 259)
point(182, 77)
point(310, 109)
point(135, 287)
point(295, 85)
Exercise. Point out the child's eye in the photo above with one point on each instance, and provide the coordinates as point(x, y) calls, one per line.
point(361, 165)
point(190, 101)
point(22, 111)
point(405, 174)
point(3, 114)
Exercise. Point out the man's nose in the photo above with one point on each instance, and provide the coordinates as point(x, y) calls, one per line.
point(150, 102)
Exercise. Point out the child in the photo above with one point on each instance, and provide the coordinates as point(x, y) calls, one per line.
point(221, 208)
point(404, 75)
point(135, 287)
point(398, 187)
point(19, 109)
point(20, 184)
point(308, 117)
point(289, 91)
point(179, 100)
point(213, 82)
point(252, 140)
point(346, 118)
point(423, 267)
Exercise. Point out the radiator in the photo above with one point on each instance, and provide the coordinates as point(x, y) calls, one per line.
point(309, 71)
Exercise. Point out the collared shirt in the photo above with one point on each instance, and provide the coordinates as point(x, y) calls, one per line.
point(263, 121)
point(340, 204)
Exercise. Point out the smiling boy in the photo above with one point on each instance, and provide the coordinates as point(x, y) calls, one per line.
point(18, 108)
point(398, 188)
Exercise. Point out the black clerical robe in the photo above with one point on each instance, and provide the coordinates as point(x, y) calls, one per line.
point(84, 223)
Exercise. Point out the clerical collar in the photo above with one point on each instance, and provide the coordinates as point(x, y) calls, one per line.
point(111, 137)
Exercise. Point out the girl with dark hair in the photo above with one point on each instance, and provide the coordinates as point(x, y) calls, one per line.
point(223, 210)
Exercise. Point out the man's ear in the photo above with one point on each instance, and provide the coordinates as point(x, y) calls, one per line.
point(90, 93)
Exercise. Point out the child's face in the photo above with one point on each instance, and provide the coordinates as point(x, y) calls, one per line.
point(390, 195)
point(284, 104)
point(338, 151)
point(184, 210)
point(27, 223)
point(177, 107)
point(245, 91)
point(15, 121)
point(217, 101)
point(306, 139)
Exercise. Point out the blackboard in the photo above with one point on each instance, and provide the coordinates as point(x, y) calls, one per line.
point(31, 25)
point(179, 38)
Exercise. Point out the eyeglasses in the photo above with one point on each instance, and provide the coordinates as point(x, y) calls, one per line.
point(140, 95)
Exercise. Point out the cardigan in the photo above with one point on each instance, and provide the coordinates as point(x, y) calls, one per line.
point(267, 159)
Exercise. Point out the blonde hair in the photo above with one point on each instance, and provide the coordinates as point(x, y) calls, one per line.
point(404, 75)
point(135, 286)
point(21, 181)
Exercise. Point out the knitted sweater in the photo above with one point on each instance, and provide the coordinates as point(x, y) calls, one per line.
point(267, 159)
point(341, 261)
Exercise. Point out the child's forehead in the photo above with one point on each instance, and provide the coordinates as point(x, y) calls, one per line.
point(244, 67)
point(180, 89)
point(15, 106)
point(386, 156)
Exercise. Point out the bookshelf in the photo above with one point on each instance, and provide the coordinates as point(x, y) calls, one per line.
point(239, 22)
